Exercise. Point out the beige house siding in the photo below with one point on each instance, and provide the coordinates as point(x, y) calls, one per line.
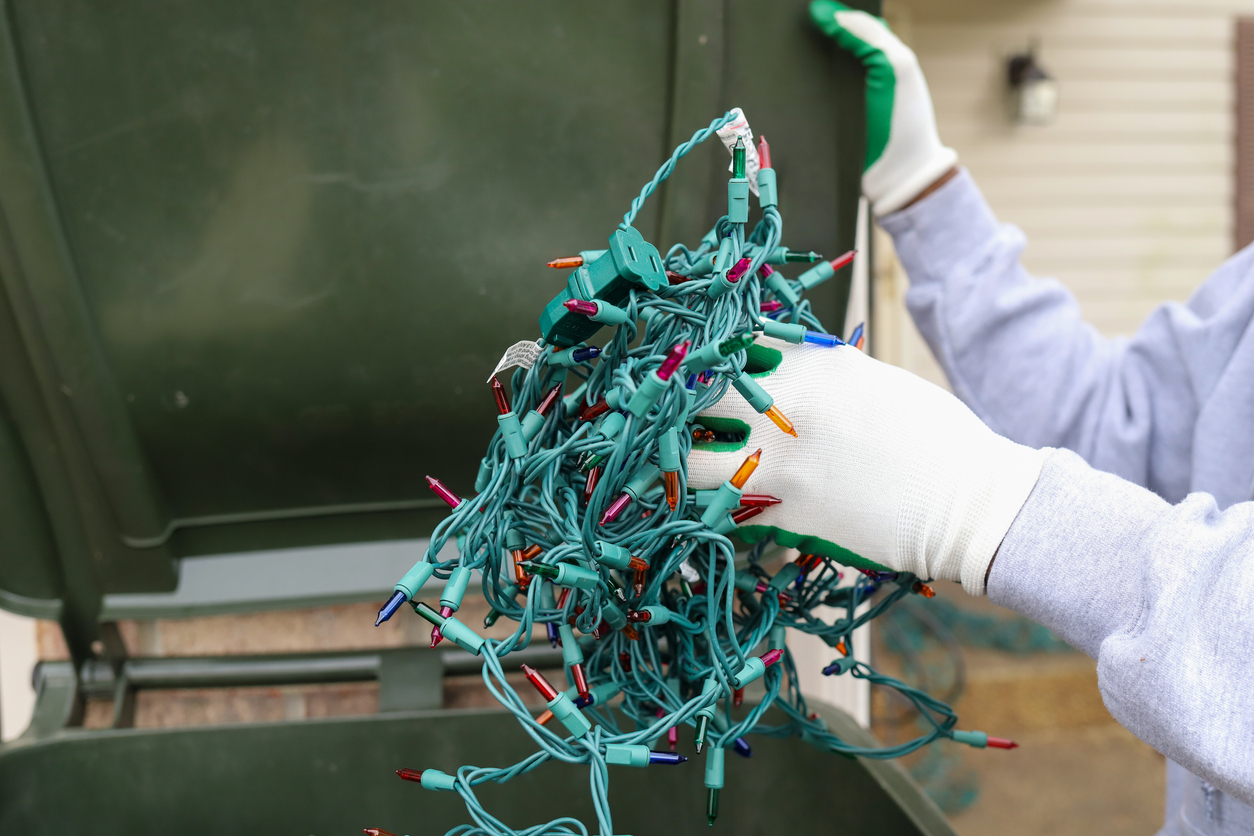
point(1127, 198)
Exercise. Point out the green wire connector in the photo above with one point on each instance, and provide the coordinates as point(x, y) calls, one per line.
point(703, 717)
point(752, 392)
point(794, 333)
point(565, 574)
point(455, 588)
point(738, 187)
point(434, 779)
point(625, 754)
point(779, 286)
point(713, 781)
point(724, 500)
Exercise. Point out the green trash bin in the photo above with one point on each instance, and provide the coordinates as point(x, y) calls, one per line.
point(255, 260)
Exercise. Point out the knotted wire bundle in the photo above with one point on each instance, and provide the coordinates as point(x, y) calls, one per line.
point(669, 674)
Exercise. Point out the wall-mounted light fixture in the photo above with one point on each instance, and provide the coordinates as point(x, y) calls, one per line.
point(1033, 92)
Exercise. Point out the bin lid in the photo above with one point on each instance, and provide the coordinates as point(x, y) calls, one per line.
point(257, 261)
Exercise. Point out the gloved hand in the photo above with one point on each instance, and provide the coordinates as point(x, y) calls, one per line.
point(904, 154)
point(888, 471)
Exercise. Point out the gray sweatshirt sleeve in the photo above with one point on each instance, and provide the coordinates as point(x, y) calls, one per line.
point(1016, 350)
point(1161, 595)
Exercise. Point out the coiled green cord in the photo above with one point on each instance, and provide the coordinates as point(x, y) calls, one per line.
point(540, 496)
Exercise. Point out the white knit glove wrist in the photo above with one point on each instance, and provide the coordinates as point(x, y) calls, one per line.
point(886, 466)
point(904, 154)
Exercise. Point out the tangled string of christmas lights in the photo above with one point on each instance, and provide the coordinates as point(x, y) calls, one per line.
point(645, 573)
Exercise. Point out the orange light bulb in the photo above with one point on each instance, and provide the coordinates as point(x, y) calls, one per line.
point(746, 470)
point(781, 421)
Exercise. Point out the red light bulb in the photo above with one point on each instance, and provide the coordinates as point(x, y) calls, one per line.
point(764, 153)
point(549, 399)
point(541, 684)
point(498, 392)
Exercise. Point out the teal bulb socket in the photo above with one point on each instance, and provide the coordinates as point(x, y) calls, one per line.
point(611, 555)
point(710, 686)
point(638, 484)
point(978, 739)
point(515, 445)
point(608, 314)
point(751, 672)
point(571, 403)
point(455, 588)
point(648, 393)
point(413, 580)
point(532, 423)
point(783, 290)
point(777, 639)
point(745, 581)
point(613, 616)
point(725, 499)
point(766, 188)
point(434, 779)
point(786, 331)
point(614, 398)
point(590, 256)
point(704, 265)
point(568, 574)
point(566, 357)
point(719, 285)
point(704, 358)
point(714, 767)
point(723, 260)
point(753, 392)
point(668, 450)
point(484, 476)
point(564, 710)
point(461, 635)
point(572, 654)
point(738, 200)
point(657, 614)
point(625, 754)
point(784, 577)
point(702, 499)
point(816, 275)
point(611, 425)
point(724, 525)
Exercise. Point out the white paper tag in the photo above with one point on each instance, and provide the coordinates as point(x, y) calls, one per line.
point(688, 573)
point(739, 127)
point(522, 354)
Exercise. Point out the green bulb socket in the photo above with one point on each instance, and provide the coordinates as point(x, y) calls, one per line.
point(625, 754)
point(514, 539)
point(766, 188)
point(484, 476)
point(572, 654)
point(648, 393)
point(613, 616)
point(794, 333)
point(668, 450)
point(704, 358)
point(611, 425)
point(565, 358)
point(745, 581)
point(608, 314)
point(777, 639)
point(515, 444)
point(455, 588)
point(782, 289)
point(753, 392)
point(978, 739)
point(611, 555)
point(572, 402)
point(532, 423)
point(724, 525)
point(564, 710)
point(725, 499)
point(461, 635)
point(568, 574)
point(751, 672)
point(714, 767)
point(719, 285)
point(434, 779)
point(657, 614)
point(723, 261)
point(413, 580)
point(738, 200)
point(704, 265)
point(845, 664)
point(640, 483)
point(816, 275)
point(784, 577)
point(710, 686)
point(547, 601)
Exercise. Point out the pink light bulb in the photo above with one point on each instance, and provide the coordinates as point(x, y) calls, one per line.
point(442, 491)
point(579, 306)
point(612, 512)
point(672, 361)
point(771, 656)
point(734, 274)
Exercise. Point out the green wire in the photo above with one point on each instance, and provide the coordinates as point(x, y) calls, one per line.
point(540, 495)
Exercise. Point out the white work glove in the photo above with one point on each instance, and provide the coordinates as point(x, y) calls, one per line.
point(904, 154)
point(888, 471)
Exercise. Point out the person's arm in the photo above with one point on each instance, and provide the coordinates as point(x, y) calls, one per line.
point(1159, 594)
point(1014, 348)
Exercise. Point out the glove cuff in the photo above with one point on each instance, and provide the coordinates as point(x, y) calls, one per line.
point(910, 187)
point(995, 501)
